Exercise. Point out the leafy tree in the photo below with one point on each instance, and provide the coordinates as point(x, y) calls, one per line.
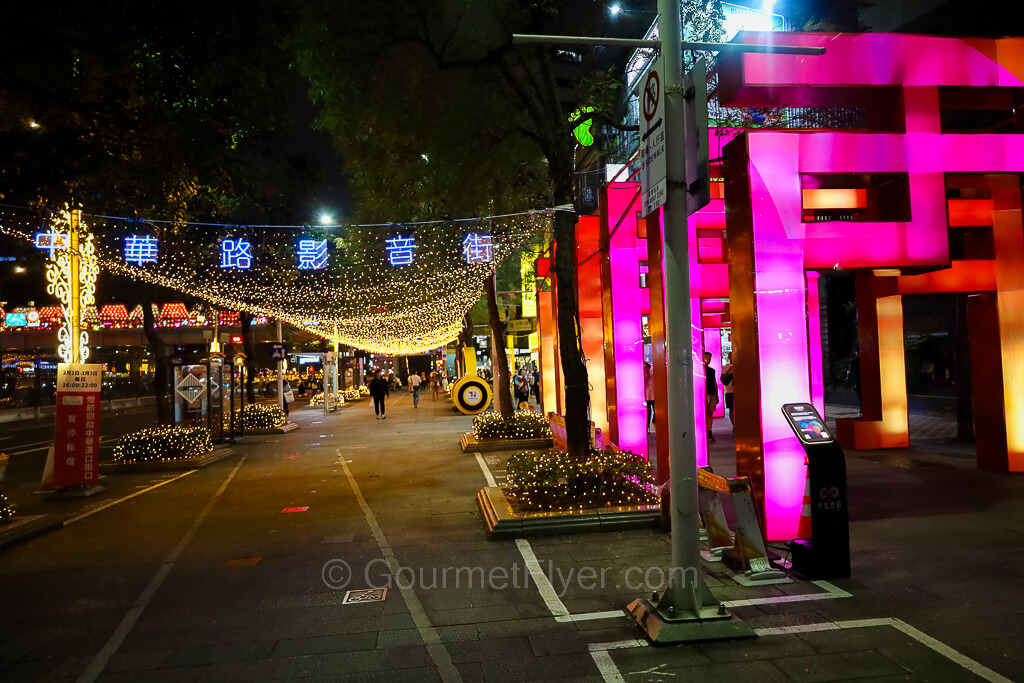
point(437, 112)
point(152, 109)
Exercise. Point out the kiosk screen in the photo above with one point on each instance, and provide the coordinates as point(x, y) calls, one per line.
point(806, 422)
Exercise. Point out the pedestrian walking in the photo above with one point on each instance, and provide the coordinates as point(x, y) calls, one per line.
point(535, 384)
point(711, 391)
point(435, 384)
point(414, 387)
point(287, 396)
point(727, 383)
point(379, 391)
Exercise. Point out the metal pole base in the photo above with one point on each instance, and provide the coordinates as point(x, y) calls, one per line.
point(712, 623)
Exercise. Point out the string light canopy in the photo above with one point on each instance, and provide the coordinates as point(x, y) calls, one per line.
point(391, 289)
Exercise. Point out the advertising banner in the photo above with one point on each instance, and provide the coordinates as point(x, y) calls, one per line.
point(77, 438)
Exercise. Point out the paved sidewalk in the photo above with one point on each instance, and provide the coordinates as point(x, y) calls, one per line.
point(240, 571)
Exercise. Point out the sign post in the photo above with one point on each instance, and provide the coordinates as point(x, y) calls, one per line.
point(75, 455)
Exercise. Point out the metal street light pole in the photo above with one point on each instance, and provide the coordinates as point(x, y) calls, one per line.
point(687, 611)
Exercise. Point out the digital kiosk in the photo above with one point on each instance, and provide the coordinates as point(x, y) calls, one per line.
point(826, 555)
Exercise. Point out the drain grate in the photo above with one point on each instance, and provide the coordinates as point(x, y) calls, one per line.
point(365, 595)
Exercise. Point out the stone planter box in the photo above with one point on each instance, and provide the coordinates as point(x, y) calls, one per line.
point(504, 522)
point(167, 465)
point(470, 444)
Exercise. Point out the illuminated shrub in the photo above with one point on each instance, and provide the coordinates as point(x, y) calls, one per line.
point(255, 416)
point(552, 480)
point(523, 425)
point(163, 443)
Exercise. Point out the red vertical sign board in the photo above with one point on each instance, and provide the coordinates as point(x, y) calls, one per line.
point(76, 442)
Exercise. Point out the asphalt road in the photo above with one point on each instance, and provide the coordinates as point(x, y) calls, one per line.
point(27, 443)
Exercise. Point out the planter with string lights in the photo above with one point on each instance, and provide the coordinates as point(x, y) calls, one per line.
point(164, 448)
point(525, 430)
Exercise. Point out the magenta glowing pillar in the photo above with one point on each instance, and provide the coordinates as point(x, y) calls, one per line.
point(626, 305)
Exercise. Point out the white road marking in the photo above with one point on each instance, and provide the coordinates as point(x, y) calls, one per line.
point(902, 626)
point(487, 472)
point(99, 662)
point(544, 587)
point(435, 646)
point(121, 500)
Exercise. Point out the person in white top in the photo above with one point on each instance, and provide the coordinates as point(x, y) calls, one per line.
point(414, 387)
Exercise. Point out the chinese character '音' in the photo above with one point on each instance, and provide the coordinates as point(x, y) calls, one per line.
point(312, 254)
point(235, 254)
point(477, 248)
point(140, 249)
point(400, 250)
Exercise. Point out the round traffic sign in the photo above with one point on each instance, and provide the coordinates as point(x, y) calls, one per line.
point(471, 395)
point(652, 94)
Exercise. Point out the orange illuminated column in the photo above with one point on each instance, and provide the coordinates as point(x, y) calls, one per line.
point(656, 323)
point(1009, 249)
point(883, 379)
point(547, 325)
point(589, 255)
point(548, 352)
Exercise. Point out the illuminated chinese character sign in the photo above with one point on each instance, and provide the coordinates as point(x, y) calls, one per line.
point(477, 248)
point(51, 241)
point(77, 438)
point(140, 249)
point(312, 254)
point(235, 253)
point(400, 250)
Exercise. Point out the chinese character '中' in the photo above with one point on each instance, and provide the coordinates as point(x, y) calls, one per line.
point(312, 254)
point(400, 250)
point(477, 248)
point(140, 249)
point(235, 254)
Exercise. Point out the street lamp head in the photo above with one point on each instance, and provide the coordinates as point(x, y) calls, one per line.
point(615, 9)
point(19, 269)
point(326, 218)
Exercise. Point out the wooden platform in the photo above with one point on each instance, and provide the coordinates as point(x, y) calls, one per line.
point(470, 444)
point(504, 522)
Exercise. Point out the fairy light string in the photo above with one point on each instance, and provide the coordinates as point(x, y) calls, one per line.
point(358, 298)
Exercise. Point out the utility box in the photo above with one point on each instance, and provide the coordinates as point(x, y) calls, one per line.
point(826, 555)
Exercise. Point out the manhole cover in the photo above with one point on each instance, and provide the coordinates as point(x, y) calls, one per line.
point(365, 595)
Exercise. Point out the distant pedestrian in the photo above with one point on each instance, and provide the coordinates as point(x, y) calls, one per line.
point(535, 384)
point(727, 383)
point(287, 396)
point(379, 390)
point(711, 391)
point(435, 385)
point(414, 387)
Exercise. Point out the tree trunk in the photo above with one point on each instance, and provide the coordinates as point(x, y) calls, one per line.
point(249, 347)
point(504, 398)
point(574, 370)
point(161, 365)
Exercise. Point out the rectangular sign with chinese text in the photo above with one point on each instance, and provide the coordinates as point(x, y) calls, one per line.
point(77, 438)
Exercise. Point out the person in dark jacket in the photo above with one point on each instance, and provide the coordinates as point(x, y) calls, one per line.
point(378, 390)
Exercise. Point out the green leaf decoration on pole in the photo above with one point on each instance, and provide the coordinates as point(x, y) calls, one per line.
point(583, 133)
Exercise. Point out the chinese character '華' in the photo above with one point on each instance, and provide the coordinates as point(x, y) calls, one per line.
point(477, 248)
point(140, 249)
point(400, 250)
point(235, 254)
point(312, 254)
